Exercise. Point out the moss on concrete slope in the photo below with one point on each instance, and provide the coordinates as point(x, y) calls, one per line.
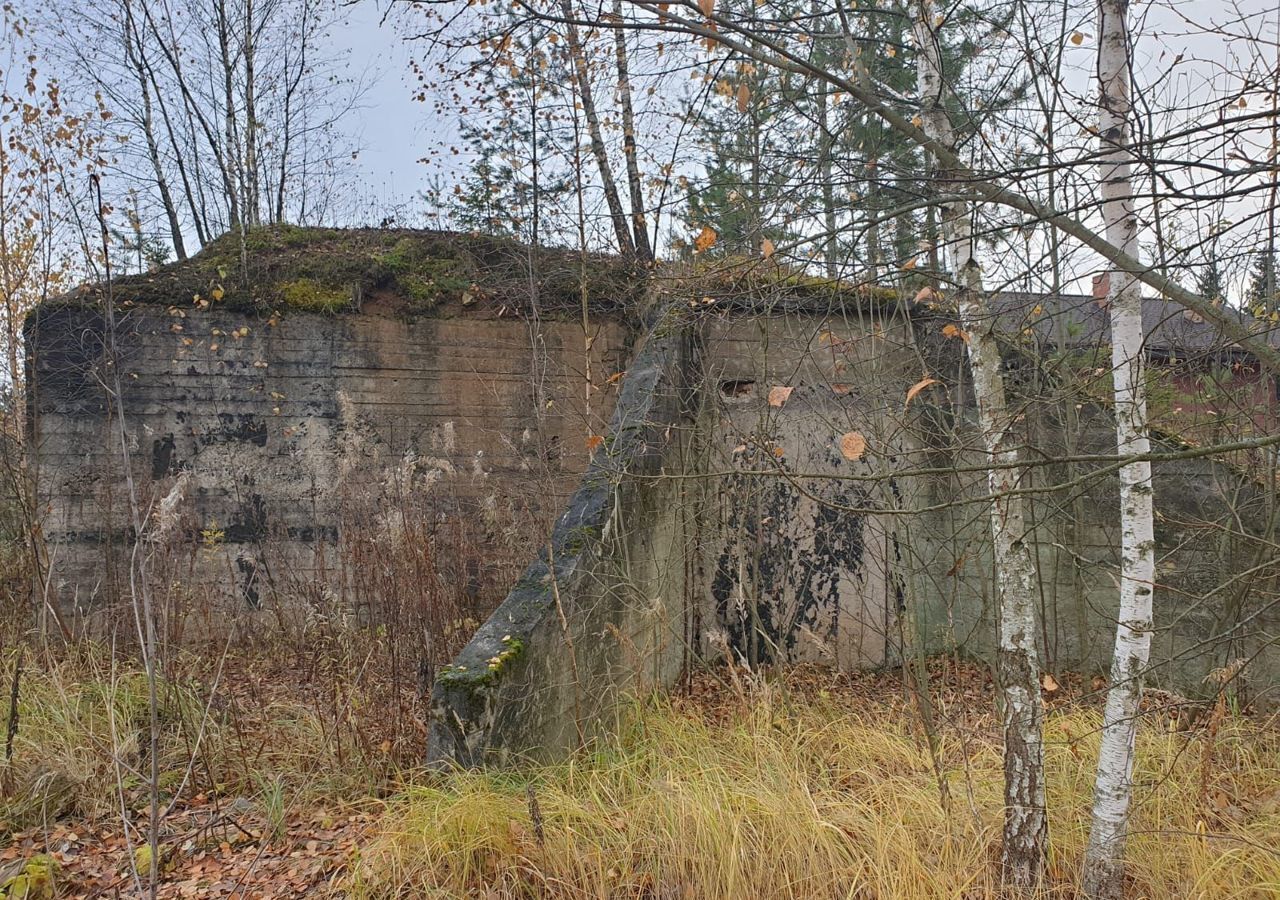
point(332, 270)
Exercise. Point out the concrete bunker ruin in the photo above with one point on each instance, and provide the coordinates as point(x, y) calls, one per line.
point(679, 445)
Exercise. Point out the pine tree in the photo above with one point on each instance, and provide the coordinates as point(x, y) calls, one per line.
point(1263, 296)
point(746, 132)
point(786, 155)
point(1209, 281)
point(519, 185)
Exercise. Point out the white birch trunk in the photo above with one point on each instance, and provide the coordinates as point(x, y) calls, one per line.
point(1017, 668)
point(1113, 790)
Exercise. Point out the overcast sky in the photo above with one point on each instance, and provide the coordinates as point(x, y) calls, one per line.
point(394, 131)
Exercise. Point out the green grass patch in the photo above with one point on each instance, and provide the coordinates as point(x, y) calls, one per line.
point(418, 272)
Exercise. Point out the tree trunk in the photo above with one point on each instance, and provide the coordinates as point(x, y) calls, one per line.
point(134, 56)
point(197, 215)
point(1017, 668)
point(831, 242)
point(583, 77)
point(287, 126)
point(1113, 789)
point(235, 186)
point(252, 188)
point(194, 119)
point(639, 226)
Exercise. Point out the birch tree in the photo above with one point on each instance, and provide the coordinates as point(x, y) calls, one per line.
point(1113, 790)
point(1017, 666)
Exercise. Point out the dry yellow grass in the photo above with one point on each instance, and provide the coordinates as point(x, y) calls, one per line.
point(811, 800)
point(81, 740)
point(790, 791)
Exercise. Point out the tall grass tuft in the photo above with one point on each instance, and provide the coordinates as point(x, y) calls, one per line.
point(816, 801)
point(80, 737)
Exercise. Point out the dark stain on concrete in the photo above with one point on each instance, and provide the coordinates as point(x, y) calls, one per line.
point(162, 461)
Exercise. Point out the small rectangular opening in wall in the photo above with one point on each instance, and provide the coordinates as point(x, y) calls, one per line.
point(737, 387)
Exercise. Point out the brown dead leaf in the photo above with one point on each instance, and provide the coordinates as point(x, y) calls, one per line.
point(705, 240)
point(954, 331)
point(707, 7)
point(744, 97)
point(595, 442)
point(853, 445)
point(766, 248)
point(916, 388)
point(1048, 682)
point(779, 395)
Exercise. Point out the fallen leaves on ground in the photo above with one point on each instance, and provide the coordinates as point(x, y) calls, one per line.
point(209, 849)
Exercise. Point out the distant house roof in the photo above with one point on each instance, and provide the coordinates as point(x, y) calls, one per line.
point(1080, 320)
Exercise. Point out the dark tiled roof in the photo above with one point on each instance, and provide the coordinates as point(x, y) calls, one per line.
point(1077, 320)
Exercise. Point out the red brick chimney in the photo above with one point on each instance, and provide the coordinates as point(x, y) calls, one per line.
point(1101, 286)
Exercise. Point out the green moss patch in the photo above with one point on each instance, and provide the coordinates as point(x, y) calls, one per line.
point(331, 270)
point(462, 676)
point(313, 296)
point(425, 280)
point(34, 880)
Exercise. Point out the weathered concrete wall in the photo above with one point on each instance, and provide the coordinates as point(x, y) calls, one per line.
point(276, 426)
point(769, 487)
point(811, 556)
point(797, 561)
point(1215, 591)
point(750, 532)
point(601, 611)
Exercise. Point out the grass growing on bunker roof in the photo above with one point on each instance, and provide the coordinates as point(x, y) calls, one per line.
point(333, 270)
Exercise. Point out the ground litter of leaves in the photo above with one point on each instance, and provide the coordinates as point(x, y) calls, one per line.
point(211, 850)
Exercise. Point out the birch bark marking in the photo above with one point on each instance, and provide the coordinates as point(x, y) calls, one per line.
point(1017, 666)
point(1113, 789)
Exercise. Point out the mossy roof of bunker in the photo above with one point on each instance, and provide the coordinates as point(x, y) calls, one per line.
point(335, 270)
